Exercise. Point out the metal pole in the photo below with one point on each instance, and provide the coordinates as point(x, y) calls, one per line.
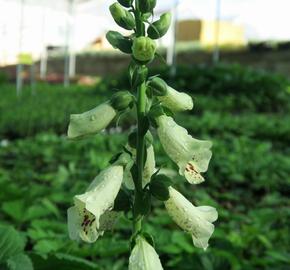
point(43, 57)
point(171, 51)
point(72, 55)
point(32, 78)
point(19, 69)
point(67, 59)
point(216, 52)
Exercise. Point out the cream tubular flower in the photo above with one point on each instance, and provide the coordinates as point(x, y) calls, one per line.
point(176, 101)
point(144, 257)
point(191, 155)
point(148, 171)
point(195, 220)
point(92, 214)
point(91, 122)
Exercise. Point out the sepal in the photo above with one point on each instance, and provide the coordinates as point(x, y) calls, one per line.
point(157, 86)
point(122, 100)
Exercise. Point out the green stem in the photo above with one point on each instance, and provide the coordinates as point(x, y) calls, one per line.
point(141, 107)
point(140, 30)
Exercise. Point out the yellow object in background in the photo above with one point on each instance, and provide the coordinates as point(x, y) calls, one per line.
point(25, 59)
point(204, 32)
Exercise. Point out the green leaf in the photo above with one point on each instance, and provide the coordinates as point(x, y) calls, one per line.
point(11, 243)
point(19, 262)
point(14, 209)
point(62, 261)
point(45, 246)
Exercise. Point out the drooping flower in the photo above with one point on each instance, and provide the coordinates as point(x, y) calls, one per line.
point(148, 170)
point(91, 122)
point(191, 155)
point(176, 101)
point(195, 220)
point(144, 256)
point(91, 215)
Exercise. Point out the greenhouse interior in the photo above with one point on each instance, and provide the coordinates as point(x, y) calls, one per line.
point(144, 134)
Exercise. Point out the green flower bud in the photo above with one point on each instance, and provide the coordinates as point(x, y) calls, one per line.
point(147, 5)
point(139, 75)
point(121, 100)
point(120, 42)
point(158, 86)
point(122, 17)
point(159, 28)
point(126, 3)
point(143, 49)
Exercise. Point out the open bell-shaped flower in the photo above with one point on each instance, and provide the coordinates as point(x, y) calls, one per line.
point(195, 220)
point(91, 122)
point(191, 155)
point(97, 119)
point(144, 256)
point(91, 215)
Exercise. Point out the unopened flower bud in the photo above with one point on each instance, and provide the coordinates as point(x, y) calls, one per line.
point(176, 101)
point(147, 5)
point(158, 86)
point(120, 42)
point(159, 28)
point(126, 3)
point(121, 100)
point(143, 49)
point(139, 75)
point(122, 16)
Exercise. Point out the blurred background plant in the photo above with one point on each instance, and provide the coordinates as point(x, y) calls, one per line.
point(248, 180)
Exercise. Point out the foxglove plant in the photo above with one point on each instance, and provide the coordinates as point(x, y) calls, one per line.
point(132, 180)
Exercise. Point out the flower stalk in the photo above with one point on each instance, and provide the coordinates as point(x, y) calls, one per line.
point(132, 181)
point(141, 110)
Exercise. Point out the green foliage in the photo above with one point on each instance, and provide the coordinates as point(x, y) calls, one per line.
point(3, 78)
point(12, 255)
point(48, 109)
point(248, 179)
point(243, 88)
